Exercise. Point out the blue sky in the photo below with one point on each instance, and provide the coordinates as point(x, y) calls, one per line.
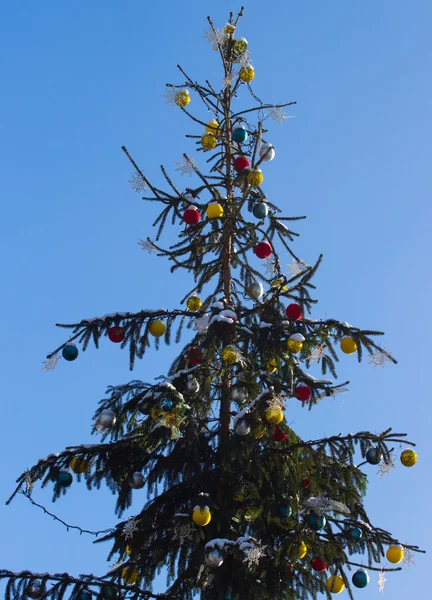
point(81, 79)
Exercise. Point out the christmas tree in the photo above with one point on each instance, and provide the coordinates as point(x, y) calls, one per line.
point(238, 504)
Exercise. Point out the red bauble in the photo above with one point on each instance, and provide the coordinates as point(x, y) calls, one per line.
point(279, 435)
point(195, 355)
point(263, 250)
point(116, 334)
point(289, 567)
point(241, 163)
point(294, 312)
point(306, 483)
point(191, 215)
point(303, 392)
point(318, 564)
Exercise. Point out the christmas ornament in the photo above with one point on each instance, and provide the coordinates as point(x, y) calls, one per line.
point(263, 250)
point(107, 418)
point(241, 163)
point(318, 564)
point(208, 141)
point(239, 135)
point(229, 29)
point(84, 595)
point(242, 427)
point(116, 334)
point(214, 558)
point(251, 514)
point(213, 127)
point(137, 481)
point(182, 98)
point(259, 430)
point(166, 405)
point(214, 210)
point(35, 590)
point(335, 584)
point(157, 328)
point(395, 554)
point(284, 510)
point(195, 355)
point(354, 534)
point(192, 386)
point(201, 516)
point(279, 435)
point(230, 355)
point(274, 416)
point(360, 578)
point(301, 550)
point(294, 312)
point(295, 343)
point(267, 152)
point(373, 456)
point(194, 303)
point(70, 351)
point(129, 575)
point(255, 177)
point(348, 345)
point(64, 479)
point(271, 366)
point(247, 73)
point(260, 210)
point(238, 394)
point(109, 592)
point(306, 483)
point(79, 465)
point(279, 284)
point(303, 392)
point(240, 46)
point(191, 215)
point(256, 290)
point(408, 458)
point(128, 550)
point(316, 522)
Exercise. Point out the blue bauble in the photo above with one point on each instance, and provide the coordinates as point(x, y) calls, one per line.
point(109, 592)
point(64, 479)
point(228, 597)
point(239, 135)
point(260, 210)
point(373, 456)
point(284, 510)
point(70, 352)
point(166, 405)
point(84, 595)
point(315, 522)
point(360, 578)
point(354, 534)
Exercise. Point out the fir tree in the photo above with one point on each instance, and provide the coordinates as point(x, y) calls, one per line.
point(238, 505)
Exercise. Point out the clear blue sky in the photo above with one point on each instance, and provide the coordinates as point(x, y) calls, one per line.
point(81, 79)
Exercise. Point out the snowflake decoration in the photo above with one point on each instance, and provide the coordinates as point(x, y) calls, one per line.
point(201, 325)
point(28, 482)
point(278, 115)
point(386, 466)
point(297, 267)
point(184, 533)
point(50, 363)
point(148, 246)
point(270, 266)
point(317, 353)
point(170, 95)
point(321, 504)
point(381, 582)
point(228, 80)
point(137, 182)
point(275, 403)
point(130, 528)
point(186, 166)
point(408, 558)
point(254, 555)
point(215, 37)
point(379, 358)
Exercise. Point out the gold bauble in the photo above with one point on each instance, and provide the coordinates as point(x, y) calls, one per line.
point(213, 127)
point(214, 210)
point(348, 345)
point(229, 28)
point(251, 514)
point(294, 346)
point(201, 516)
point(301, 550)
point(79, 465)
point(157, 328)
point(259, 430)
point(274, 416)
point(247, 73)
point(182, 98)
point(130, 575)
point(255, 177)
point(194, 303)
point(230, 355)
point(335, 584)
point(395, 554)
point(279, 283)
point(271, 366)
point(208, 141)
point(408, 458)
point(128, 550)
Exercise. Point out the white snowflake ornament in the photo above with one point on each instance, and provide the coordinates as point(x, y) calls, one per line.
point(379, 358)
point(137, 182)
point(130, 528)
point(187, 166)
point(386, 466)
point(297, 267)
point(278, 115)
point(381, 581)
point(317, 353)
point(148, 246)
point(50, 363)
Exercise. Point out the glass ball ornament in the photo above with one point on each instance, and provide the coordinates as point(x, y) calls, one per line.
point(255, 177)
point(240, 45)
point(201, 515)
point(182, 98)
point(267, 152)
point(374, 456)
point(279, 283)
point(256, 290)
point(295, 343)
point(79, 465)
point(241, 163)
point(130, 575)
point(230, 355)
point(195, 355)
point(70, 352)
point(64, 478)
point(214, 210)
point(107, 418)
point(303, 392)
point(274, 416)
point(213, 127)
point(335, 584)
point(191, 216)
point(35, 590)
point(214, 558)
point(109, 592)
point(395, 554)
point(251, 514)
point(316, 522)
point(279, 435)
point(239, 135)
point(229, 29)
point(360, 578)
point(354, 534)
point(84, 595)
point(284, 511)
point(137, 481)
point(260, 210)
point(208, 141)
point(192, 386)
point(271, 366)
point(318, 564)
point(116, 334)
point(348, 345)
point(301, 550)
point(247, 74)
point(166, 405)
point(157, 328)
point(263, 250)
point(194, 303)
point(242, 427)
point(408, 458)
point(294, 312)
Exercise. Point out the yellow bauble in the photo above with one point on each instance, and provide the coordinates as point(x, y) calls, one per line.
point(182, 98)
point(279, 283)
point(230, 355)
point(247, 73)
point(251, 514)
point(348, 345)
point(301, 550)
point(259, 430)
point(271, 366)
point(214, 210)
point(294, 346)
point(213, 127)
point(129, 575)
point(194, 303)
point(274, 416)
point(157, 328)
point(229, 28)
point(79, 465)
point(208, 141)
point(408, 458)
point(395, 554)
point(201, 516)
point(255, 177)
point(335, 584)
point(128, 550)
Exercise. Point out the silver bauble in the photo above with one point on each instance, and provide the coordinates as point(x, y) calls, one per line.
point(137, 481)
point(107, 418)
point(242, 427)
point(238, 394)
point(34, 590)
point(192, 386)
point(214, 558)
point(256, 290)
point(267, 152)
